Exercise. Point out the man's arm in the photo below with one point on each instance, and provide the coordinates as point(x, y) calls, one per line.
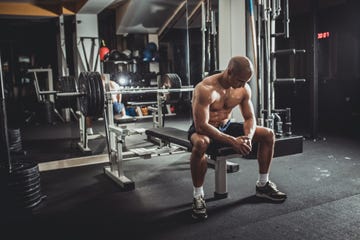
point(247, 110)
point(115, 86)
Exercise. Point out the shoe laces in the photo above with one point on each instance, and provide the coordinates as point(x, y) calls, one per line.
point(199, 203)
point(273, 186)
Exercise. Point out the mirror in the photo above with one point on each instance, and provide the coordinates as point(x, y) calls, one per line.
point(157, 31)
point(203, 39)
point(174, 53)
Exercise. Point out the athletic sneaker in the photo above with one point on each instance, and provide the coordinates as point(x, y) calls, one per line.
point(270, 191)
point(199, 208)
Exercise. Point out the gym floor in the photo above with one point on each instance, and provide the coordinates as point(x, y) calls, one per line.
point(322, 183)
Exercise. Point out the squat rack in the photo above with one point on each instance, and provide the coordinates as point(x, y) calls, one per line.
point(265, 55)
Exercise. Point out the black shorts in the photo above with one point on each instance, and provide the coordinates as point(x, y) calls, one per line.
point(231, 128)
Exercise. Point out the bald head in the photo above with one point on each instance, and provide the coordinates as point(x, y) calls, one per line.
point(241, 66)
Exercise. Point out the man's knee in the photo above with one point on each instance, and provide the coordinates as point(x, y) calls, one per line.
point(264, 134)
point(200, 144)
point(269, 135)
point(117, 107)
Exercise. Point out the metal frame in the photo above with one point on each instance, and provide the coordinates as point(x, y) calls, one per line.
point(268, 12)
point(117, 135)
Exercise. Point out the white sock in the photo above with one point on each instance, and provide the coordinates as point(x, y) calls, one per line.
point(263, 179)
point(89, 131)
point(198, 191)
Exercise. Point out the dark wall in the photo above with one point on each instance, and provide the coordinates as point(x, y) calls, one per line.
point(33, 38)
point(338, 69)
point(107, 28)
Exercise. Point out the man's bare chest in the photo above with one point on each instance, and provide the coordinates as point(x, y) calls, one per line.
point(226, 100)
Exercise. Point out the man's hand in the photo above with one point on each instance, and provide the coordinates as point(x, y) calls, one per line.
point(243, 145)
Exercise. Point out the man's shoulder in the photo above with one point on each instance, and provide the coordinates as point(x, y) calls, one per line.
point(210, 81)
point(114, 85)
point(204, 85)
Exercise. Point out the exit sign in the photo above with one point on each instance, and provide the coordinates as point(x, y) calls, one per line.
point(323, 35)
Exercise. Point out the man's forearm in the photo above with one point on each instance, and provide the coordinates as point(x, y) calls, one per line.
point(249, 127)
point(213, 133)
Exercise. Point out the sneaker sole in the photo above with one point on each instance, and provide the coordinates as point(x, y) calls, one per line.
point(261, 195)
point(199, 217)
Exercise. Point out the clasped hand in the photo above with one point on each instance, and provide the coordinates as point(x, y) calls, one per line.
point(243, 145)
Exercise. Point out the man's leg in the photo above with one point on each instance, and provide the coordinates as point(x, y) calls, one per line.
point(88, 122)
point(265, 138)
point(123, 112)
point(116, 108)
point(198, 166)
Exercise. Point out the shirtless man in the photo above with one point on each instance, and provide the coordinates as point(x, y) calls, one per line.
point(212, 103)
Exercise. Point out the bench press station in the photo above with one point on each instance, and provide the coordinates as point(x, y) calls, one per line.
point(116, 134)
point(165, 136)
point(92, 99)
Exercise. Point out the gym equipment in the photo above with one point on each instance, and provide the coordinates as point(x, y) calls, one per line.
point(103, 51)
point(67, 84)
point(150, 52)
point(19, 182)
point(89, 63)
point(151, 46)
point(15, 142)
point(168, 81)
point(116, 135)
point(267, 14)
point(69, 103)
point(114, 55)
point(5, 161)
point(22, 188)
point(92, 99)
point(47, 98)
point(91, 92)
point(147, 55)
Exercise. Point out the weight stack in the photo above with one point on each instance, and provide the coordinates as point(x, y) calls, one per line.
point(22, 187)
point(15, 142)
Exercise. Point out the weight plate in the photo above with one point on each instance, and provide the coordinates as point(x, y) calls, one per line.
point(24, 186)
point(26, 189)
point(102, 96)
point(97, 83)
point(90, 98)
point(93, 97)
point(16, 178)
point(171, 81)
point(24, 169)
point(23, 182)
point(83, 99)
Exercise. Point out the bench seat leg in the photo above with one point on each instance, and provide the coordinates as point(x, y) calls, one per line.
point(230, 166)
point(220, 178)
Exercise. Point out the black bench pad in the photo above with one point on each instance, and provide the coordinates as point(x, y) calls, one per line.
point(172, 135)
point(286, 145)
point(180, 137)
point(118, 119)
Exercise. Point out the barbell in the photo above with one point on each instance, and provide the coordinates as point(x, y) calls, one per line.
point(91, 93)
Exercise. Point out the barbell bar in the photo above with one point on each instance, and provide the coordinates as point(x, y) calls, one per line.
point(91, 92)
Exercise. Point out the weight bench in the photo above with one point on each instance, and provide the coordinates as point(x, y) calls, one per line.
point(217, 157)
point(118, 119)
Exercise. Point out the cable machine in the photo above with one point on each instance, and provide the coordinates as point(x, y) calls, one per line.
point(265, 57)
